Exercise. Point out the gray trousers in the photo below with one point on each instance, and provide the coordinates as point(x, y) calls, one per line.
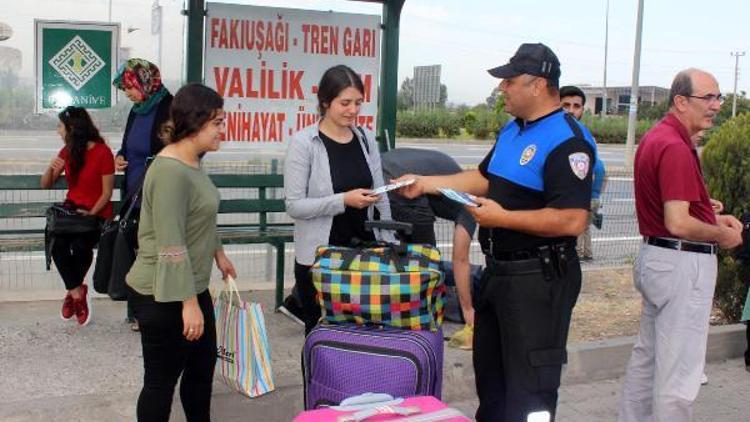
point(663, 375)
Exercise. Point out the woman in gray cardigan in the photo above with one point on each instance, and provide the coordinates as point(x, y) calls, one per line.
point(330, 170)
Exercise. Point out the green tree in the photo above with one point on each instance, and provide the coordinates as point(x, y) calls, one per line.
point(614, 129)
point(417, 124)
point(405, 96)
point(743, 106)
point(652, 112)
point(484, 123)
point(469, 118)
point(726, 165)
point(499, 105)
point(449, 123)
point(494, 95)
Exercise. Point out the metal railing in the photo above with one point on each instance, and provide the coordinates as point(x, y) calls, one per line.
point(614, 245)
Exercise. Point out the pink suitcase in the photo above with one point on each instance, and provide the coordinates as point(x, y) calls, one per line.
point(412, 409)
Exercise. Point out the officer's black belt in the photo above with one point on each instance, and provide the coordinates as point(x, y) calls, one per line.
point(526, 266)
point(549, 259)
point(681, 245)
point(535, 252)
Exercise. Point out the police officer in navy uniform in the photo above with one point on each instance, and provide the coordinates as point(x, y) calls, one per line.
point(533, 191)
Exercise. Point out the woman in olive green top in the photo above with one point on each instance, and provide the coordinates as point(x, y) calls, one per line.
point(169, 279)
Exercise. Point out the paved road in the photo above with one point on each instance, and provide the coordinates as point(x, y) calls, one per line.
point(472, 153)
point(38, 147)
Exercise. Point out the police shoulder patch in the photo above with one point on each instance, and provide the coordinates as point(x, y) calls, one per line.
point(579, 163)
point(527, 154)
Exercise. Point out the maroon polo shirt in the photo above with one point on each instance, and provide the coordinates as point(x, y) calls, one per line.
point(667, 168)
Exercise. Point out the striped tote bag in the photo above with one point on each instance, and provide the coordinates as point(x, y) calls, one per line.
point(243, 353)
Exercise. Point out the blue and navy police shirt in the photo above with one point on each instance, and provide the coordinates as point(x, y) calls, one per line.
point(544, 163)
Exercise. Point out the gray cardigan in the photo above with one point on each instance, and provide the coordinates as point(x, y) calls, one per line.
point(308, 189)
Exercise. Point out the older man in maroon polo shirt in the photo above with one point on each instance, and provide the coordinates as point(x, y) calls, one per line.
point(675, 271)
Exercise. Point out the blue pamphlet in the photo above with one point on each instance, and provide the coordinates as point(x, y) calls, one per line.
point(460, 197)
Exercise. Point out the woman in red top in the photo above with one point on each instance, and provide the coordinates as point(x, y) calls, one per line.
point(89, 168)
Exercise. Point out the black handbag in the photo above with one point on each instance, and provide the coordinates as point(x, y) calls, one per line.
point(62, 220)
point(118, 245)
point(115, 256)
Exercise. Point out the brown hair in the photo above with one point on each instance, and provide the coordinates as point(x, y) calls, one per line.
point(193, 106)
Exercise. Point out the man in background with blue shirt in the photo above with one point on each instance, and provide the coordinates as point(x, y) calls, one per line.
point(572, 100)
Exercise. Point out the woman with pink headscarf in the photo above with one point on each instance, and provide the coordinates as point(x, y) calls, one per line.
point(140, 80)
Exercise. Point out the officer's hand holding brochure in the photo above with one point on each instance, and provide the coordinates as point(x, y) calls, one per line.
point(460, 197)
point(392, 186)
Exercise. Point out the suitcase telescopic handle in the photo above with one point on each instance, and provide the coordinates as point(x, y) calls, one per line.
point(399, 226)
point(365, 414)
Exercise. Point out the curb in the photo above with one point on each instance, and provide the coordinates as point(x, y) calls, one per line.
point(607, 359)
point(589, 361)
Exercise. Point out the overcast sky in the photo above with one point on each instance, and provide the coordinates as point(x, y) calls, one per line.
point(469, 36)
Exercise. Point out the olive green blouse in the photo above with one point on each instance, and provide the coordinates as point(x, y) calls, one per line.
point(177, 232)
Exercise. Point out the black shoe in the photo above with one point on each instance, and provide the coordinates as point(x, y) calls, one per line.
point(587, 258)
point(293, 310)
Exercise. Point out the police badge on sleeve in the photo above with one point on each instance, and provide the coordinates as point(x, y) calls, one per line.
point(579, 163)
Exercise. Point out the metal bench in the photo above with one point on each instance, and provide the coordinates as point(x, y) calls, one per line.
point(260, 232)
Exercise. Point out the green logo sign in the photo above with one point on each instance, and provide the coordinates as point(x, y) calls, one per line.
point(75, 63)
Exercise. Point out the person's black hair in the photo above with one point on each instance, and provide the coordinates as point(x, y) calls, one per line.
point(335, 80)
point(79, 130)
point(193, 106)
point(572, 91)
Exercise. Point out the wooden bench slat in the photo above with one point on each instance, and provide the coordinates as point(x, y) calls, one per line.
point(226, 206)
point(233, 206)
point(248, 180)
point(22, 244)
point(31, 181)
point(31, 209)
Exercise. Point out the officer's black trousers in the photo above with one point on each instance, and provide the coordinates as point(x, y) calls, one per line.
point(520, 333)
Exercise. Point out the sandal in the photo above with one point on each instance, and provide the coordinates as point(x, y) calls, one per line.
point(134, 326)
point(462, 339)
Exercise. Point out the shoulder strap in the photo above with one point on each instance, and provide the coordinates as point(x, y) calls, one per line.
point(570, 120)
point(364, 139)
point(132, 198)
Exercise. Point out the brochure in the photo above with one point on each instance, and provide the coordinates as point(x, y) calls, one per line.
point(392, 186)
point(460, 197)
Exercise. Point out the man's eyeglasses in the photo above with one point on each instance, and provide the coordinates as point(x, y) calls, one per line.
point(710, 98)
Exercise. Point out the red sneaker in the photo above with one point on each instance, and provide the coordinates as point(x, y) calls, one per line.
point(68, 308)
point(83, 306)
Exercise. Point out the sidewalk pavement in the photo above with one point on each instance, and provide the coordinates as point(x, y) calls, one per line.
point(54, 370)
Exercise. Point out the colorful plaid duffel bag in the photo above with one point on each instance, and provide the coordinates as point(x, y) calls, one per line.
point(390, 285)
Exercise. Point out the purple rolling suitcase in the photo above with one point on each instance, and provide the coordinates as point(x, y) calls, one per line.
point(342, 361)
